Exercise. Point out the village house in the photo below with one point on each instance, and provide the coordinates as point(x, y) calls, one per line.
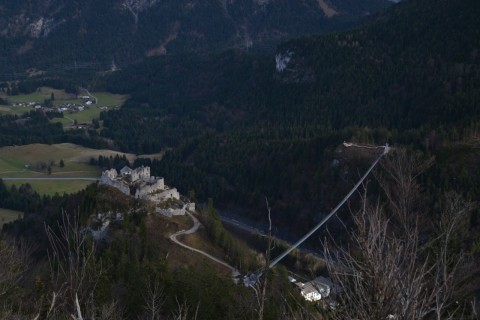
point(319, 288)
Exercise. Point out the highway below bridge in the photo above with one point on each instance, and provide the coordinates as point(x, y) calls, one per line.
point(259, 229)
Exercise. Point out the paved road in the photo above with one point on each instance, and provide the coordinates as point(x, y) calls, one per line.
point(242, 225)
point(51, 179)
point(196, 225)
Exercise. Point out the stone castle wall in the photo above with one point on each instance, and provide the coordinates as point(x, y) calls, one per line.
point(154, 185)
point(172, 212)
point(110, 174)
point(118, 184)
point(147, 187)
point(165, 195)
point(141, 173)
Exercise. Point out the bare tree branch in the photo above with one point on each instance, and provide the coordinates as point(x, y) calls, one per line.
point(74, 268)
point(154, 299)
point(388, 271)
point(13, 264)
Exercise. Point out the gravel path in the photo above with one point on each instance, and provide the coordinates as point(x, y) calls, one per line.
point(196, 225)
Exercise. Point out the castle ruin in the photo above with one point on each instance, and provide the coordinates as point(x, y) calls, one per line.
point(141, 185)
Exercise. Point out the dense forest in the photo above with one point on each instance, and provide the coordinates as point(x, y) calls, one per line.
point(241, 128)
point(238, 126)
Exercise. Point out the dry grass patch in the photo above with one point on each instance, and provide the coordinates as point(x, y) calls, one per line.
point(7, 215)
point(109, 99)
point(50, 188)
point(5, 110)
point(44, 93)
point(25, 161)
point(200, 240)
point(160, 228)
point(20, 161)
point(32, 161)
point(10, 110)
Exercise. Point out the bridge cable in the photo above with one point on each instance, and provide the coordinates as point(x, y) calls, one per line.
point(386, 149)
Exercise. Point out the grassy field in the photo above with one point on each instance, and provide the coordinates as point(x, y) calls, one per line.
point(52, 187)
point(7, 216)
point(43, 93)
point(85, 116)
point(64, 121)
point(93, 112)
point(21, 162)
point(24, 162)
point(4, 110)
point(109, 99)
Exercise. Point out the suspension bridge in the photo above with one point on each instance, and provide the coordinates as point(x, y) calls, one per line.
point(251, 279)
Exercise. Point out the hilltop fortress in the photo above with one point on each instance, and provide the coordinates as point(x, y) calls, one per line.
point(141, 185)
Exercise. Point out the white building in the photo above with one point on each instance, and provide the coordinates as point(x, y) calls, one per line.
point(315, 290)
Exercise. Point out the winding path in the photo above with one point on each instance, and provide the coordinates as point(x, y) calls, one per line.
point(196, 225)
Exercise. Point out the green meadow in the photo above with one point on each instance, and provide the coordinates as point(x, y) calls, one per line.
point(104, 99)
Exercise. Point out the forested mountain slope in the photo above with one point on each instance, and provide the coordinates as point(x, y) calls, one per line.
point(418, 64)
point(43, 34)
point(250, 125)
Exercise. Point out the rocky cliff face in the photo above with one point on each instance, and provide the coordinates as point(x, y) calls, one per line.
point(128, 30)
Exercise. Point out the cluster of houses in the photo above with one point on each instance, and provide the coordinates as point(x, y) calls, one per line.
point(139, 184)
point(70, 107)
point(88, 100)
point(35, 105)
point(312, 291)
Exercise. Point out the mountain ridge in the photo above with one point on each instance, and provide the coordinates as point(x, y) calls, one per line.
point(38, 33)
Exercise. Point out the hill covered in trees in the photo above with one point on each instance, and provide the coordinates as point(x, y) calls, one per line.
point(244, 125)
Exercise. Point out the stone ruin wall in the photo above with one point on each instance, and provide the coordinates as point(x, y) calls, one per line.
point(120, 185)
point(150, 187)
point(167, 194)
point(142, 173)
point(157, 184)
